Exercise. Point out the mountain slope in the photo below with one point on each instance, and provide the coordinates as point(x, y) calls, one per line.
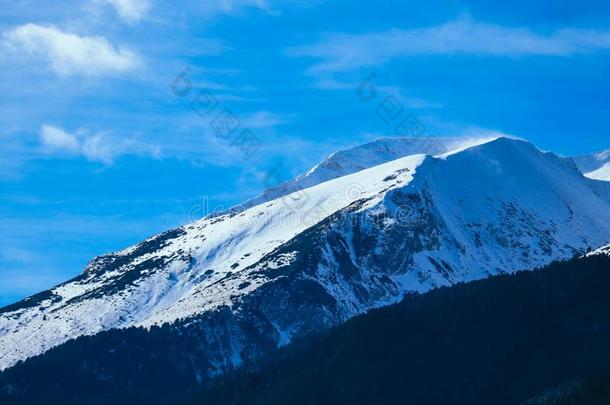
point(183, 272)
point(603, 173)
point(498, 341)
point(595, 166)
point(495, 341)
point(247, 282)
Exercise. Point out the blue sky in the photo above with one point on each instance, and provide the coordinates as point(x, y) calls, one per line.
point(98, 150)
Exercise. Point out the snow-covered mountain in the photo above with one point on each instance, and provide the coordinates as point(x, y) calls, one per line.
point(595, 166)
point(357, 232)
point(361, 157)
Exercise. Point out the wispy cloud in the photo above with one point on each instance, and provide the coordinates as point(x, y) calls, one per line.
point(327, 82)
point(340, 51)
point(69, 53)
point(218, 7)
point(98, 147)
point(264, 119)
point(130, 11)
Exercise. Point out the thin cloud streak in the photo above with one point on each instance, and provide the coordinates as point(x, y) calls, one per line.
point(464, 36)
point(97, 147)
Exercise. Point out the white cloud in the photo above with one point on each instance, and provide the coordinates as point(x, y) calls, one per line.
point(97, 147)
point(130, 11)
point(463, 36)
point(69, 53)
point(57, 138)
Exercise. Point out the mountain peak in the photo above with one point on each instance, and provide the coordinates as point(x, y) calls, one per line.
point(361, 157)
